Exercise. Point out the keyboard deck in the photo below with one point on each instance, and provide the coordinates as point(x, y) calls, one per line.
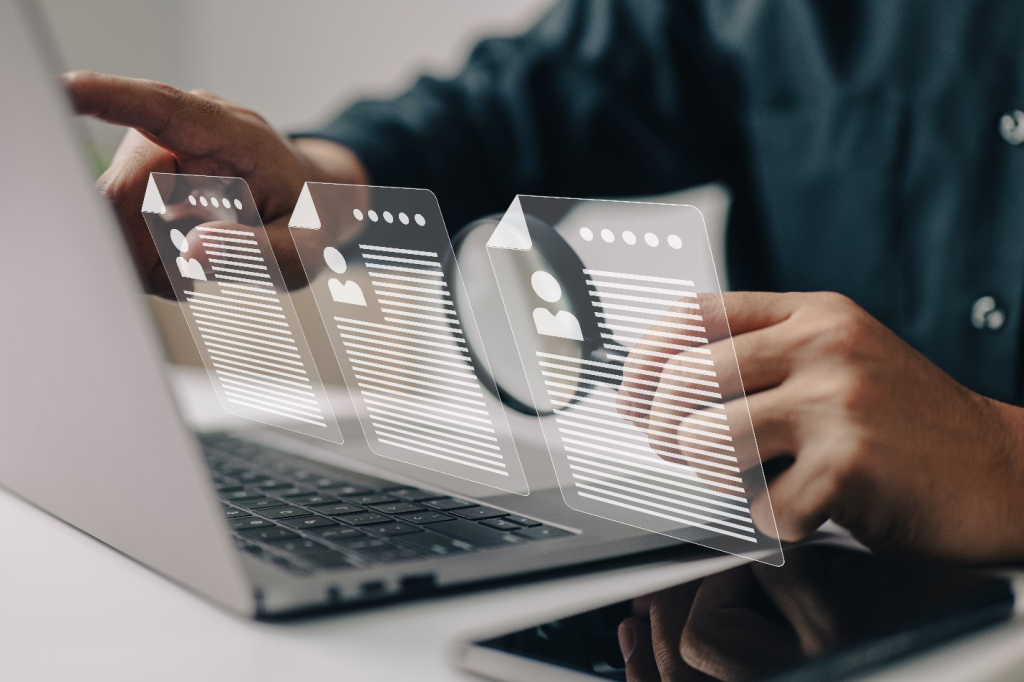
point(283, 511)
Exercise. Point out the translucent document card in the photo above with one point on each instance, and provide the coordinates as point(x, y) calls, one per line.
point(587, 283)
point(386, 301)
point(209, 236)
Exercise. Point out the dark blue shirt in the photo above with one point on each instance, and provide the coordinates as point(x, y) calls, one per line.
point(864, 143)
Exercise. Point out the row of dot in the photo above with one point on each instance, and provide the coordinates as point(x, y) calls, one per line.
point(388, 218)
point(652, 239)
point(215, 201)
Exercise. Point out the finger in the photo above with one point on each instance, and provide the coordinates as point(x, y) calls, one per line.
point(805, 594)
point(178, 120)
point(638, 650)
point(796, 503)
point(124, 184)
point(670, 610)
point(275, 241)
point(753, 361)
point(728, 635)
point(761, 426)
point(687, 334)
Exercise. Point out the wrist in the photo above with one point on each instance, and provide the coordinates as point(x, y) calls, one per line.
point(326, 161)
point(1007, 429)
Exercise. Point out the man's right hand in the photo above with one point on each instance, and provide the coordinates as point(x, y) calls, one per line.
point(196, 132)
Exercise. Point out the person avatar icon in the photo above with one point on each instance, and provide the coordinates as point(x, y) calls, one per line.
point(563, 324)
point(348, 292)
point(190, 268)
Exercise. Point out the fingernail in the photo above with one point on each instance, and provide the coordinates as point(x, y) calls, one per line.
point(627, 641)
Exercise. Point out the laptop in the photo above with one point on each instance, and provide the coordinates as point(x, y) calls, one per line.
point(253, 520)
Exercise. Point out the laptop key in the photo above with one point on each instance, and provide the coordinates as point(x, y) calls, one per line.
point(396, 507)
point(330, 559)
point(260, 503)
point(251, 522)
point(501, 524)
point(478, 513)
point(240, 495)
point(308, 522)
point(368, 499)
point(310, 499)
point(302, 547)
point(273, 534)
point(233, 513)
point(394, 528)
point(336, 533)
point(413, 494)
point(448, 503)
point(435, 543)
point(476, 534)
point(379, 550)
point(542, 533)
point(425, 517)
point(283, 512)
point(275, 484)
point(364, 519)
point(336, 508)
point(522, 521)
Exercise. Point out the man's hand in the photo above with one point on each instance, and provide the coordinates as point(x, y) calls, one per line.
point(199, 133)
point(884, 442)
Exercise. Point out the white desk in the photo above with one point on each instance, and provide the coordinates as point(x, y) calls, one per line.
point(73, 609)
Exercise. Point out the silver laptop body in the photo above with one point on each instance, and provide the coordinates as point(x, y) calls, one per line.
point(89, 429)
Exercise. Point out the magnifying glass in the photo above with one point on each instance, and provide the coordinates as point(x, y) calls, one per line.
point(550, 274)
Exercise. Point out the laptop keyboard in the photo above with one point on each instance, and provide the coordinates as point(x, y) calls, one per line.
point(282, 510)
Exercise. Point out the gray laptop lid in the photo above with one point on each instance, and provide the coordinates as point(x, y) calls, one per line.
point(88, 428)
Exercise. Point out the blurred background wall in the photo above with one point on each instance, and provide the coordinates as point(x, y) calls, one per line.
point(296, 63)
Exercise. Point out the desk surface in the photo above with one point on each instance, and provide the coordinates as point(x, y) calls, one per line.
point(73, 609)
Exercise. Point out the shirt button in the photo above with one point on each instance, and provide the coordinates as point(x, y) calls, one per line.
point(986, 314)
point(1011, 126)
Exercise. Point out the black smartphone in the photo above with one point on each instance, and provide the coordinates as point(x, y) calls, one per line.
point(828, 613)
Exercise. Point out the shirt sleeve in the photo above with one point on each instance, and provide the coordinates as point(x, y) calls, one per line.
point(601, 98)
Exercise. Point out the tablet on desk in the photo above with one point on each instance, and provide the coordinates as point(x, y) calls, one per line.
point(827, 614)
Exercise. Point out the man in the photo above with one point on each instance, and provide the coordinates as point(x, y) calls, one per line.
point(871, 151)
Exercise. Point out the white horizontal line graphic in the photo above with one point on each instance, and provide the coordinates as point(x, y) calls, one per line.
point(462, 365)
point(250, 304)
point(414, 332)
point(411, 416)
point(255, 365)
point(254, 405)
point(405, 424)
point(645, 464)
point(639, 278)
point(388, 403)
point(390, 344)
point(664, 508)
point(603, 478)
point(237, 264)
point(232, 345)
point(396, 259)
point(392, 249)
point(647, 311)
point(253, 335)
point(218, 268)
point(633, 475)
point(430, 407)
point(373, 267)
point(450, 459)
point(222, 230)
point(641, 289)
point(425, 325)
point(236, 256)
